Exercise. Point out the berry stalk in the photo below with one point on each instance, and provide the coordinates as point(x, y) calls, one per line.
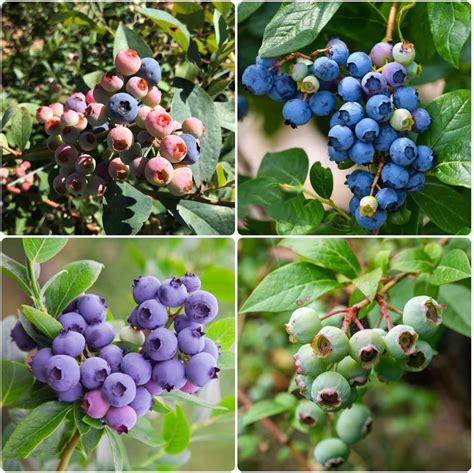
point(329, 202)
point(391, 23)
point(68, 451)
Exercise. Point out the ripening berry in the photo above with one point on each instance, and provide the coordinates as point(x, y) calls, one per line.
point(158, 171)
point(159, 123)
point(404, 52)
point(96, 186)
point(143, 112)
point(401, 120)
point(118, 169)
point(69, 117)
point(331, 344)
point(308, 363)
point(66, 155)
point(76, 184)
point(76, 102)
point(137, 168)
point(44, 114)
point(422, 313)
point(304, 383)
point(182, 181)
point(96, 114)
point(173, 148)
point(90, 97)
point(112, 82)
point(381, 53)
point(354, 424)
point(145, 139)
point(331, 453)
point(309, 85)
point(53, 126)
point(368, 206)
point(94, 404)
point(400, 341)
point(127, 62)
point(70, 134)
point(153, 97)
point(303, 325)
point(193, 126)
point(59, 185)
point(85, 164)
point(308, 414)
point(101, 95)
point(331, 391)
point(54, 142)
point(87, 141)
point(298, 70)
point(150, 70)
point(57, 108)
point(389, 369)
point(131, 335)
point(120, 138)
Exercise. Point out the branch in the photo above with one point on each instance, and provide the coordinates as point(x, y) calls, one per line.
point(391, 23)
point(68, 451)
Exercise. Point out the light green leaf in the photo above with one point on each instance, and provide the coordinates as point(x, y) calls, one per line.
point(207, 219)
point(454, 266)
point(457, 315)
point(82, 426)
point(263, 409)
point(176, 431)
point(17, 379)
point(42, 321)
point(191, 399)
point(453, 164)
point(286, 167)
point(126, 38)
point(92, 78)
point(226, 360)
point(226, 113)
point(368, 283)
point(412, 260)
point(148, 434)
point(96, 423)
point(220, 281)
point(41, 250)
point(15, 271)
point(116, 449)
point(19, 129)
point(222, 332)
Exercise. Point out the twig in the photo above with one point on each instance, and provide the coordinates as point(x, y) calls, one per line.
point(30, 174)
point(329, 202)
point(377, 174)
point(162, 195)
point(391, 23)
point(394, 309)
point(68, 451)
point(383, 310)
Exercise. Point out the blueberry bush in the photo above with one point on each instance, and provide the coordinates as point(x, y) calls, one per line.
point(373, 329)
point(128, 130)
point(355, 70)
point(73, 374)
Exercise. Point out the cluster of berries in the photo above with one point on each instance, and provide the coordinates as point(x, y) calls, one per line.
point(117, 381)
point(122, 113)
point(368, 125)
point(22, 170)
point(334, 369)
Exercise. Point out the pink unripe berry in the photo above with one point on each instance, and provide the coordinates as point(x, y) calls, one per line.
point(70, 117)
point(121, 419)
point(85, 164)
point(127, 62)
point(173, 148)
point(57, 108)
point(70, 134)
point(158, 171)
point(82, 123)
point(53, 126)
point(96, 114)
point(44, 114)
point(120, 138)
point(159, 124)
point(53, 142)
point(182, 180)
point(79, 95)
point(95, 405)
point(137, 168)
point(153, 97)
point(189, 388)
point(143, 112)
point(76, 184)
point(118, 169)
point(59, 184)
point(144, 138)
point(87, 141)
point(101, 95)
point(137, 87)
point(66, 155)
point(153, 388)
point(90, 97)
point(194, 127)
point(112, 82)
point(96, 186)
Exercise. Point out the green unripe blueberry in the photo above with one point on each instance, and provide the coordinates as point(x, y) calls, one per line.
point(129, 334)
point(298, 71)
point(413, 70)
point(353, 371)
point(331, 344)
point(308, 363)
point(331, 391)
point(401, 120)
point(304, 384)
point(389, 369)
point(404, 52)
point(335, 320)
point(331, 453)
point(366, 347)
point(308, 414)
point(310, 84)
point(421, 358)
point(368, 206)
point(400, 341)
point(380, 331)
point(422, 313)
point(303, 325)
point(354, 424)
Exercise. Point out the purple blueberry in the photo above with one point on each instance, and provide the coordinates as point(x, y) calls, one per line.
point(150, 70)
point(73, 321)
point(71, 395)
point(132, 318)
point(151, 314)
point(136, 367)
point(169, 375)
point(381, 53)
point(182, 321)
point(394, 73)
point(191, 281)
point(349, 89)
point(144, 288)
point(76, 103)
point(72, 306)
point(99, 335)
point(373, 83)
point(191, 340)
point(153, 388)
point(23, 341)
point(69, 343)
point(211, 347)
point(119, 389)
point(359, 64)
point(193, 149)
point(201, 306)
point(94, 371)
point(113, 355)
point(143, 401)
point(201, 369)
point(38, 363)
point(172, 292)
point(62, 372)
point(93, 308)
point(161, 344)
point(422, 120)
point(95, 405)
point(121, 419)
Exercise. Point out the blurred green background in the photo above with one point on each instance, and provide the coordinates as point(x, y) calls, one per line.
point(124, 259)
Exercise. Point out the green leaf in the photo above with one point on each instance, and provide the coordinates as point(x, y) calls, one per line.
point(144, 431)
point(445, 207)
point(116, 449)
point(334, 254)
point(457, 315)
point(296, 25)
point(38, 425)
point(434, 251)
point(207, 219)
point(246, 9)
point(177, 30)
point(73, 280)
point(222, 332)
point(159, 406)
point(368, 283)
point(96, 423)
point(82, 426)
point(34, 397)
point(450, 24)
point(32, 331)
point(41, 250)
point(261, 410)
point(191, 399)
point(42, 321)
point(453, 164)
point(450, 120)
point(321, 180)
point(226, 360)
point(90, 440)
point(220, 281)
point(125, 209)
point(412, 260)
point(176, 431)
point(19, 129)
point(423, 287)
point(286, 167)
point(289, 287)
point(382, 259)
point(16, 272)
point(308, 214)
point(92, 78)
point(454, 266)
point(126, 38)
point(17, 379)
point(226, 114)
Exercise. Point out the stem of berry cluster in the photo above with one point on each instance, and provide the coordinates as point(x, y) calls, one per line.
point(34, 285)
point(68, 451)
point(380, 164)
point(329, 202)
point(391, 23)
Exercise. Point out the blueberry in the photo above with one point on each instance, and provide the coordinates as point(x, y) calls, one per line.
point(401, 120)
point(132, 318)
point(95, 405)
point(62, 372)
point(359, 64)
point(331, 391)
point(338, 52)
point(381, 53)
point(169, 375)
point(387, 199)
point(73, 321)
point(337, 156)
point(143, 402)
point(69, 343)
point(299, 70)
point(361, 153)
point(304, 323)
point(331, 344)
point(335, 120)
point(132, 335)
point(150, 70)
point(304, 383)
point(121, 419)
point(189, 388)
point(201, 369)
point(353, 371)
point(153, 388)
point(416, 182)
point(211, 347)
point(367, 130)
point(119, 389)
point(422, 313)
point(331, 453)
point(172, 292)
point(400, 341)
point(379, 108)
point(113, 355)
point(395, 74)
point(340, 137)
point(308, 363)
point(94, 371)
point(424, 158)
point(267, 63)
point(354, 204)
point(368, 205)
point(403, 151)
point(144, 288)
point(38, 364)
point(325, 69)
point(387, 135)
point(71, 395)
point(242, 107)
point(182, 321)
point(99, 335)
point(354, 424)
point(388, 369)
point(93, 308)
point(192, 147)
point(371, 223)
point(135, 365)
point(404, 52)
point(76, 103)
point(191, 281)
point(366, 347)
point(191, 340)
point(351, 113)
point(122, 108)
point(151, 314)
point(405, 97)
point(420, 358)
point(394, 176)
point(296, 112)
point(322, 103)
point(201, 306)
point(23, 341)
point(257, 80)
point(422, 120)
point(373, 83)
point(360, 182)
point(284, 88)
point(161, 344)
point(349, 89)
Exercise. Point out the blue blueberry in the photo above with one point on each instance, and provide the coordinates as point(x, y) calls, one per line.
point(405, 97)
point(191, 340)
point(387, 135)
point(322, 103)
point(257, 80)
point(69, 343)
point(379, 107)
point(360, 182)
point(351, 113)
point(416, 182)
point(211, 347)
point(113, 355)
point(403, 151)
point(191, 281)
point(143, 402)
point(394, 73)
point(296, 112)
point(93, 308)
point(169, 375)
point(402, 197)
point(340, 137)
point(394, 176)
point(23, 341)
point(325, 69)
point(242, 107)
point(422, 120)
point(335, 120)
point(338, 52)
point(267, 63)
point(374, 83)
point(387, 199)
point(38, 364)
point(94, 371)
point(172, 292)
point(62, 372)
point(367, 130)
point(424, 158)
point(201, 306)
point(150, 70)
point(361, 153)
point(359, 64)
point(119, 389)
point(201, 369)
point(349, 89)
point(73, 321)
point(337, 156)
point(145, 288)
point(151, 314)
point(99, 335)
point(72, 394)
point(161, 344)
point(284, 88)
point(122, 108)
point(132, 318)
point(192, 145)
point(371, 223)
point(354, 204)
point(182, 321)
point(137, 367)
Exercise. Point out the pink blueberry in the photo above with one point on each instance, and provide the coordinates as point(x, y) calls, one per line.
point(101, 95)
point(137, 168)
point(120, 138)
point(95, 405)
point(144, 138)
point(82, 123)
point(85, 164)
point(44, 114)
point(159, 123)
point(182, 181)
point(69, 117)
point(70, 134)
point(143, 112)
point(87, 141)
point(96, 114)
point(137, 87)
point(127, 62)
point(76, 184)
point(173, 148)
point(158, 171)
point(121, 419)
point(111, 82)
point(90, 97)
point(118, 169)
point(66, 154)
point(53, 126)
point(189, 388)
point(153, 97)
point(193, 126)
point(57, 108)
